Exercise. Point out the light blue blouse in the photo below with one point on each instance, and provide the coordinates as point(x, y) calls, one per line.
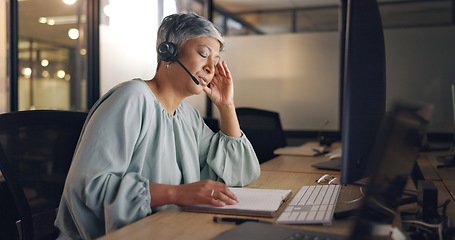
point(129, 141)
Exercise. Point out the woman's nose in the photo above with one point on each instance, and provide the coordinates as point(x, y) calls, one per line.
point(210, 66)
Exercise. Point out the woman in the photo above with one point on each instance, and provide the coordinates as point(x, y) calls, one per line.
point(143, 148)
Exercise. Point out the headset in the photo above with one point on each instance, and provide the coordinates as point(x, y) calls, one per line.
point(167, 51)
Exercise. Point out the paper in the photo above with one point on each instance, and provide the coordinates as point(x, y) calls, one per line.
point(335, 153)
point(251, 202)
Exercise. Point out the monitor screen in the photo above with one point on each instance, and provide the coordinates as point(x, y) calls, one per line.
point(453, 102)
point(363, 80)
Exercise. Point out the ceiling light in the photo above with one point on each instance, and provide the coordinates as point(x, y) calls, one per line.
point(27, 71)
point(69, 2)
point(60, 20)
point(61, 74)
point(44, 62)
point(45, 74)
point(42, 20)
point(107, 10)
point(73, 33)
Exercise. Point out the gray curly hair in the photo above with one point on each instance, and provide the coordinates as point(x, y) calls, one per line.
point(186, 26)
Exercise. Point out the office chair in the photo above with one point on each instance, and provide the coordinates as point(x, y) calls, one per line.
point(36, 149)
point(263, 129)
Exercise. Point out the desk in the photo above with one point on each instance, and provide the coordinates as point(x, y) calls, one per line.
point(293, 163)
point(176, 224)
point(443, 178)
point(288, 163)
point(443, 174)
point(283, 172)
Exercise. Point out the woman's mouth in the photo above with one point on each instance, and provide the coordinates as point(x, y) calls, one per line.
point(203, 81)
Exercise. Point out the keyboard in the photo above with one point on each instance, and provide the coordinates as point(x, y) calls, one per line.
point(311, 205)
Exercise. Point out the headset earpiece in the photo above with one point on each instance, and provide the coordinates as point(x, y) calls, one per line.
point(167, 51)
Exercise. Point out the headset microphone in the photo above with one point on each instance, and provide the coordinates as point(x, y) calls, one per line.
point(191, 75)
point(167, 51)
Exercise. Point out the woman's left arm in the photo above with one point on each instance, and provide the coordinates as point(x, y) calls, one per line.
point(222, 95)
point(231, 156)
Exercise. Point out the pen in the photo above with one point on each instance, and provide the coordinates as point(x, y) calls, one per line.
point(237, 221)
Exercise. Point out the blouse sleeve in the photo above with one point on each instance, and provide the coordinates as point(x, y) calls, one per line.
point(101, 194)
point(233, 160)
point(228, 159)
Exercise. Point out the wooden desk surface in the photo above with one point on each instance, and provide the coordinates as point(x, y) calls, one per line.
point(443, 178)
point(176, 224)
point(288, 163)
point(427, 168)
point(293, 163)
point(450, 184)
point(283, 172)
point(444, 174)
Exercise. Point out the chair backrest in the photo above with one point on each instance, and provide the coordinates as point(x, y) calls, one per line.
point(36, 152)
point(263, 129)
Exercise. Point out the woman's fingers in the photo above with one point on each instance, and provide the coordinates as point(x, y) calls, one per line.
point(220, 68)
point(225, 196)
point(206, 192)
point(226, 70)
point(222, 71)
point(222, 195)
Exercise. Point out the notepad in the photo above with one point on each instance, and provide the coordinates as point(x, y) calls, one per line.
point(252, 202)
point(300, 151)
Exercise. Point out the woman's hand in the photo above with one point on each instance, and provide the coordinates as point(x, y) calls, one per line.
point(202, 192)
point(221, 90)
point(221, 93)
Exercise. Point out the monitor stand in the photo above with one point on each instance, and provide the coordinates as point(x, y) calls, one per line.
point(334, 164)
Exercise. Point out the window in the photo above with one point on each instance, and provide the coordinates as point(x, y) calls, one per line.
point(51, 54)
point(3, 58)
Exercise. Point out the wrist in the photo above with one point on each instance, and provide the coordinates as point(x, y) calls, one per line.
point(228, 121)
point(226, 107)
point(172, 194)
point(162, 194)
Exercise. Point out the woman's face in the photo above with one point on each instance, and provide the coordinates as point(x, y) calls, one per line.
point(199, 56)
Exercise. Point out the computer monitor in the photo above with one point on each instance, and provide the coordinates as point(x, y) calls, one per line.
point(362, 86)
point(453, 110)
point(453, 102)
